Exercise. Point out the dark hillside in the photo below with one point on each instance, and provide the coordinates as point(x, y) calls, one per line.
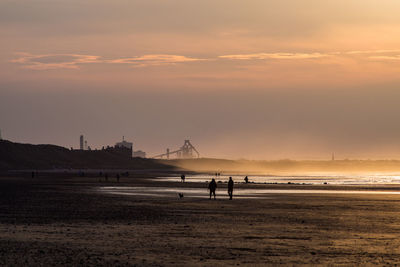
point(16, 156)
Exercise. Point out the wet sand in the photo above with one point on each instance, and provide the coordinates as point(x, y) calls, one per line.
point(70, 221)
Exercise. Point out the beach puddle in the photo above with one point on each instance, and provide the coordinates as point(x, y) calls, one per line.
point(172, 192)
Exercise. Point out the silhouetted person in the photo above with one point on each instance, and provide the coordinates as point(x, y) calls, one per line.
point(212, 186)
point(246, 179)
point(230, 188)
point(183, 178)
point(118, 177)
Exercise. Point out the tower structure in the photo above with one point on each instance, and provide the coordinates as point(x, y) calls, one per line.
point(187, 151)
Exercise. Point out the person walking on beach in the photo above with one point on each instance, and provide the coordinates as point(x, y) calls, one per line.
point(246, 179)
point(183, 178)
point(212, 186)
point(230, 188)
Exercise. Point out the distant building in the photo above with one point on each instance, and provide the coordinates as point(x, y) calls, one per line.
point(139, 154)
point(124, 144)
point(81, 142)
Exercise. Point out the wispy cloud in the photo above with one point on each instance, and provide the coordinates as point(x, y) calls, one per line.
point(384, 55)
point(381, 51)
point(54, 61)
point(73, 61)
point(154, 60)
point(275, 56)
point(395, 57)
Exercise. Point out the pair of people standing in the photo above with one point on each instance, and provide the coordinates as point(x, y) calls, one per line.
point(212, 186)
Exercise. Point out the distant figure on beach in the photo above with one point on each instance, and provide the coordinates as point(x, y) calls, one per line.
point(118, 177)
point(246, 179)
point(183, 178)
point(212, 186)
point(230, 188)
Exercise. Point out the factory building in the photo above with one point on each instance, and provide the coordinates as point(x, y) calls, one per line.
point(124, 147)
point(124, 144)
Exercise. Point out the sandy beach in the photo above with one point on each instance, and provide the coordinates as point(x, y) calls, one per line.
point(73, 221)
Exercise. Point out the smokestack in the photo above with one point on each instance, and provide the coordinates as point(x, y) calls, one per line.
point(81, 142)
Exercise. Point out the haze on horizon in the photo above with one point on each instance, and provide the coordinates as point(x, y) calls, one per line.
point(255, 79)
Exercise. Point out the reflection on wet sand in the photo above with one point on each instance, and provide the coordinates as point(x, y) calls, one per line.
point(338, 179)
point(238, 193)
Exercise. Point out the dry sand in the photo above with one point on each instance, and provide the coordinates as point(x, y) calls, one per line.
point(66, 221)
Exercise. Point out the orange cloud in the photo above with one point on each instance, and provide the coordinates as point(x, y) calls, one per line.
point(275, 56)
point(154, 60)
point(54, 61)
point(72, 61)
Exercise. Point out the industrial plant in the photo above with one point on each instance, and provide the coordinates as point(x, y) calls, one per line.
point(187, 151)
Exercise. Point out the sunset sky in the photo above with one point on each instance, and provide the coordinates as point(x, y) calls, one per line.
point(256, 79)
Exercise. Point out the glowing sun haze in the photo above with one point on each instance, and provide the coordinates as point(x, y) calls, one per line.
point(242, 79)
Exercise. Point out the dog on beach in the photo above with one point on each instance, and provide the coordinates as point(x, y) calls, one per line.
point(180, 195)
